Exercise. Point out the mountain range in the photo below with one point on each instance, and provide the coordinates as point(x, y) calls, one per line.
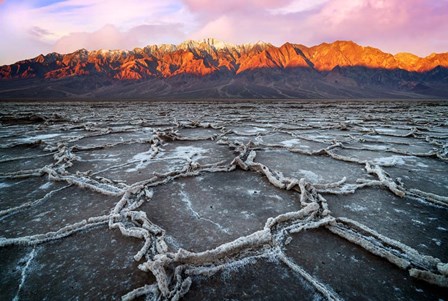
point(213, 69)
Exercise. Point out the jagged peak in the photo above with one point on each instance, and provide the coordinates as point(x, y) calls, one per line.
point(259, 45)
point(162, 47)
point(262, 43)
point(217, 44)
point(109, 52)
point(290, 45)
point(104, 51)
point(188, 44)
point(211, 42)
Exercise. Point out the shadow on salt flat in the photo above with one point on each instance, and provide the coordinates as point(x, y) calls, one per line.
point(15, 192)
point(353, 273)
point(13, 260)
point(25, 164)
point(75, 266)
point(21, 151)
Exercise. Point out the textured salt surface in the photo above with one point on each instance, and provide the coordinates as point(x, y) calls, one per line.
point(224, 201)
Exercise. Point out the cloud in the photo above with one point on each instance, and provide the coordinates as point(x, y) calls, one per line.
point(297, 6)
point(239, 7)
point(239, 21)
point(417, 26)
point(19, 40)
point(110, 37)
point(393, 25)
point(90, 15)
point(221, 29)
point(31, 27)
point(39, 32)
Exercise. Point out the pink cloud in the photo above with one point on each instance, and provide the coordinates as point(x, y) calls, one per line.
point(29, 28)
point(417, 26)
point(220, 29)
point(233, 6)
point(393, 25)
point(240, 21)
point(109, 37)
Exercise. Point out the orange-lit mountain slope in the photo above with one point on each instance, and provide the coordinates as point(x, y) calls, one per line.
point(281, 70)
point(210, 56)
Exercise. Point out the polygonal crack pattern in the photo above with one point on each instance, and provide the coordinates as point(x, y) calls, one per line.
point(239, 200)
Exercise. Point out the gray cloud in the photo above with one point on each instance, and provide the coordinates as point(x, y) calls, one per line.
point(39, 32)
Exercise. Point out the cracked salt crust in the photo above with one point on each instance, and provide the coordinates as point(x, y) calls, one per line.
point(172, 266)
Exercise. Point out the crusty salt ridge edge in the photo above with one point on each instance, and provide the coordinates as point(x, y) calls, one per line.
point(147, 231)
point(61, 233)
point(420, 266)
point(325, 291)
point(209, 270)
point(22, 174)
point(385, 179)
point(437, 199)
point(150, 291)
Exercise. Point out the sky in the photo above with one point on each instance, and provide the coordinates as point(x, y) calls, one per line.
point(31, 27)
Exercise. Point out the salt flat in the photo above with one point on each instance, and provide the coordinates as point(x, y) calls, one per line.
point(228, 200)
